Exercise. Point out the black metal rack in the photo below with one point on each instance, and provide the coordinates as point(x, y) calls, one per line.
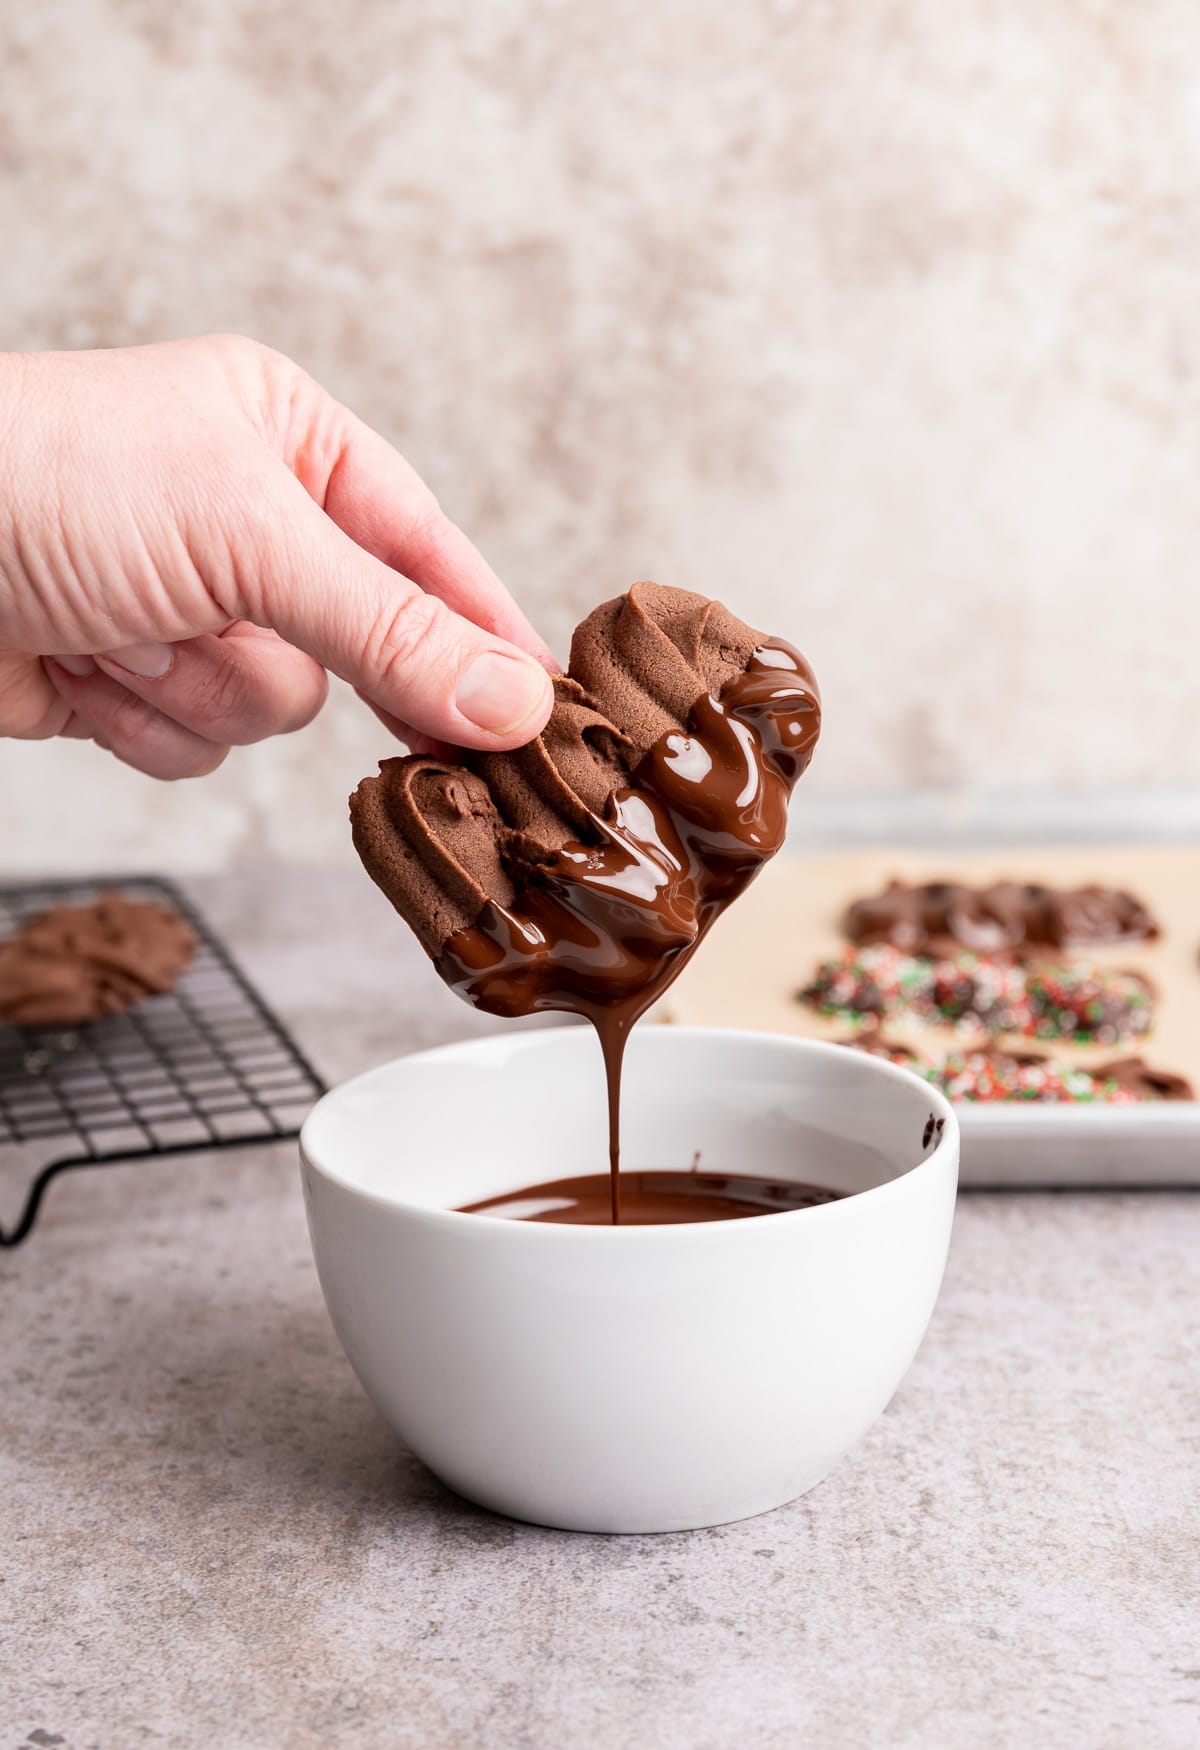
point(207, 1066)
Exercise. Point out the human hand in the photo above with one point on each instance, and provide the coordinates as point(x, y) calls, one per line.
point(192, 533)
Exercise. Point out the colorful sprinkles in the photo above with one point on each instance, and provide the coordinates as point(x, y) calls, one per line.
point(1087, 1005)
point(868, 983)
point(986, 1073)
point(986, 1076)
point(1081, 1003)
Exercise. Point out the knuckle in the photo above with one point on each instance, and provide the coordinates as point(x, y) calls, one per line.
point(31, 706)
point(240, 704)
point(127, 717)
point(425, 513)
point(262, 381)
point(43, 727)
point(199, 763)
point(33, 719)
point(245, 562)
point(236, 352)
point(404, 635)
point(228, 701)
point(173, 762)
point(426, 523)
point(14, 721)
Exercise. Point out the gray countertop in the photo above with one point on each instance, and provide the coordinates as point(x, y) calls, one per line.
point(208, 1538)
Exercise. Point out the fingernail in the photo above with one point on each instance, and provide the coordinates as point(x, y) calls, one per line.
point(79, 666)
point(499, 693)
point(150, 662)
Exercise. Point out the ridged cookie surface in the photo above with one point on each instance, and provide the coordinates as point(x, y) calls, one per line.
point(442, 840)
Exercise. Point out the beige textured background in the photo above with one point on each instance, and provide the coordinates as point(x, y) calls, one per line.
point(881, 321)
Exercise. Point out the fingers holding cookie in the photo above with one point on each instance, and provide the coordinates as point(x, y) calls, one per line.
point(127, 726)
point(174, 711)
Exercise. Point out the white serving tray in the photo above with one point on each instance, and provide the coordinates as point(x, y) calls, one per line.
point(768, 943)
point(1048, 1146)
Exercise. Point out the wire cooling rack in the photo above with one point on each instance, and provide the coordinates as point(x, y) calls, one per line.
point(206, 1066)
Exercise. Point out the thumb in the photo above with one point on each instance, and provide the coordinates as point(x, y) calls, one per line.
point(408, 653)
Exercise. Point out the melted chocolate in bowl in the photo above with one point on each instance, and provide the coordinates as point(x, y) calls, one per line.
point(608, 926)
point(651, 1199)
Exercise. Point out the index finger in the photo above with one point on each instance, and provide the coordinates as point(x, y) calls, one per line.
point(381, 502)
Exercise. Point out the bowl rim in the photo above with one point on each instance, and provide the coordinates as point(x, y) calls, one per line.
point(934, 1162)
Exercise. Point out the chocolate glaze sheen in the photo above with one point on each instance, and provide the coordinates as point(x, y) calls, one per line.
point(937, 917)
point(602, 929)
point(653, 1199)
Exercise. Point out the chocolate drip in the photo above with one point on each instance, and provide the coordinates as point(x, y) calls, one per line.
point(603, 926)
point(653, 1199)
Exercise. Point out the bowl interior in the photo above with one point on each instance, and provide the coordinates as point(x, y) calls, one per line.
point(469, 1121)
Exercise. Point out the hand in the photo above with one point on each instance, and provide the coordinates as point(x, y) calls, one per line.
point(191, 534)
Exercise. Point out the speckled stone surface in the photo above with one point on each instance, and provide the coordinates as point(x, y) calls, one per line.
point(208, 1538)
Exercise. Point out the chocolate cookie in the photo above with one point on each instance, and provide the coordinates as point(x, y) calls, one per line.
point(994, 1073)
point(938, 917)
point(585, 866)
point(1078, 1002)
point(986, 1074)
point(75, 963)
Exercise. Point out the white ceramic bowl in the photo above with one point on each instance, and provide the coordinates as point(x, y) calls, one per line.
point(630, 1379)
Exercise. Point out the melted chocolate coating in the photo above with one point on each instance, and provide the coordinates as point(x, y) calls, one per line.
point(877, 1043)
point(608, 923)
point(650, 1199)
point(444, 840)
point(994, 1073)
point(1141, 1079)
point(1084, 1003)
point(1000, 1072)
point(937, 917)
